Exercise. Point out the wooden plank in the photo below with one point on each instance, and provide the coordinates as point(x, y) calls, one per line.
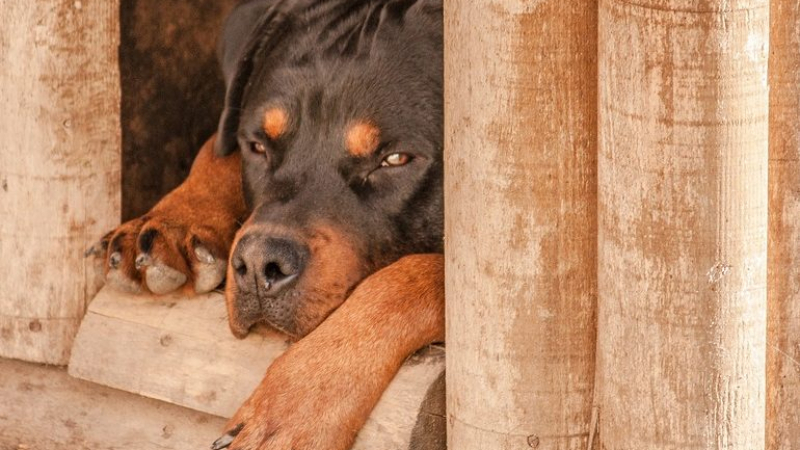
point(59, 167)
point(43, 408)
point(180, 350)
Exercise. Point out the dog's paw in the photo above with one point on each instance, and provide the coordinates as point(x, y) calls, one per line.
point(267, 431)
point(271, 425)
point(305, 402)
point(161, 254)
point(183, 242)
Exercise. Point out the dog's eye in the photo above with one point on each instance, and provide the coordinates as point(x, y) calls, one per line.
point(396, 160)
point(258, 147)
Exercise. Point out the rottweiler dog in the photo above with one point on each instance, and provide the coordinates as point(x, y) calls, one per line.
point(319, 200)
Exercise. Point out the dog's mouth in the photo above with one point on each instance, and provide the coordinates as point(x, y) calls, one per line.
point(246, 309)
point(264, 325)
point(295, 313)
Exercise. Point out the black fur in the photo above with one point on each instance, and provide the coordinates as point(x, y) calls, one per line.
point(329, 63)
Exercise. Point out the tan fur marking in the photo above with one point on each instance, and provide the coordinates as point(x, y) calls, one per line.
point(276, 122)
point(362, 139)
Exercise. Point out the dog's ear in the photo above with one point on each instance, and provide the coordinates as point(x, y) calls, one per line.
point(251, 32)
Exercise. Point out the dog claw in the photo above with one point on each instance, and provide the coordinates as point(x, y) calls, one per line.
point(163, 279)
point(114, 260)
point(96, 250)
point(223, 442)
point(209, 276)
point(204, 255)
point(226, 440)
point(143, 260)
point(209, 271)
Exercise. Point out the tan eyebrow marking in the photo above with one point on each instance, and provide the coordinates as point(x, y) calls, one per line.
point(362, 138)
point(275, 122)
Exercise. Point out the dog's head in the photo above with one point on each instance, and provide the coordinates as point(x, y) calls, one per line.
point(337, 111)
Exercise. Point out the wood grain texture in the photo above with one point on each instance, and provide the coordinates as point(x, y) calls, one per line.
point(520, 151)
point(59, 167)
point(43, 408)
point(783, 352)
point(180, 351)
point(683, 162)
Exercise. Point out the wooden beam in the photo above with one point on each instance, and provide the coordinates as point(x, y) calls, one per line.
point(59, 167)
point(683, 224)
point(520, 121)
point(783, 352)
point(180, 350)
point(43, 408)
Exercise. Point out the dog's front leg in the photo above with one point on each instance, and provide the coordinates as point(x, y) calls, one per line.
point(318, 395)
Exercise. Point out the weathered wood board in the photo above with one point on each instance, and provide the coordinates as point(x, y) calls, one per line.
point(42, 408)
point(179, 350)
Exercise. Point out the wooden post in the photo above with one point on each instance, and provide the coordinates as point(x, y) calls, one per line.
point(59, 167)
point(520, 121)
point(783, 352)
point(682, 223)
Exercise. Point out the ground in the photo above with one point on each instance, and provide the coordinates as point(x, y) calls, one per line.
point(43, 408)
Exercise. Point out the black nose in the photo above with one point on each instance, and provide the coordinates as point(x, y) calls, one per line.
point(267, 265)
